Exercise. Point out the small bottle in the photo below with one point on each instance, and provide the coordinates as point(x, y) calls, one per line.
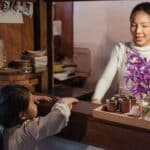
point(4, 59)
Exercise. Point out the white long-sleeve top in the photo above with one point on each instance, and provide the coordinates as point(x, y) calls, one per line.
point(28, 135)
point(117, 65)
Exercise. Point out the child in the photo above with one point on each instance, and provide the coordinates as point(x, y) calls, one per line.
point(18, 114)
point(140, 31)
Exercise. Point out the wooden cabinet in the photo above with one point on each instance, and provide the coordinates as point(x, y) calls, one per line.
point(64, 13)
point(110, 135)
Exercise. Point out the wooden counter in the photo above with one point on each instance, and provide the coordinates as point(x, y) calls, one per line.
point(84, 128)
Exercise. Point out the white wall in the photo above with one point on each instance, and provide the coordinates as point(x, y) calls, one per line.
point(98, 26)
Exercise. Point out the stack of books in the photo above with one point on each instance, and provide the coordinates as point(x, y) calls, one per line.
point(38, 58)
point(40, 63)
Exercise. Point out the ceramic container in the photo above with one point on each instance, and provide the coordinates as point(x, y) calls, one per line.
point(111, 105)
point(125, 105)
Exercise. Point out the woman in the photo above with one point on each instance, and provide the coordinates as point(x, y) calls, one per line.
point(140, 31)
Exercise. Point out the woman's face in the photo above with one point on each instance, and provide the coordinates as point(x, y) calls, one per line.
point(32, 109)
point(140, 29)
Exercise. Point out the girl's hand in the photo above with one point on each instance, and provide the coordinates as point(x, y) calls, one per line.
point(38, 98)
point(69, 100)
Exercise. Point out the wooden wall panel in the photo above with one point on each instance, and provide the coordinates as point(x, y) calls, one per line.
point(17, 37)
point(43, 16)
point(12, 36)
point(27, 34)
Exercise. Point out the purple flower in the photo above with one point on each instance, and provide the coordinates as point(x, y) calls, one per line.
point(137, 76)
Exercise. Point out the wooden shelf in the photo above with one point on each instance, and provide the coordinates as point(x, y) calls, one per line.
point(36, 82)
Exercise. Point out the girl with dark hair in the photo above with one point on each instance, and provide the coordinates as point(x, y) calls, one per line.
point(19, 124)
point(118, 63)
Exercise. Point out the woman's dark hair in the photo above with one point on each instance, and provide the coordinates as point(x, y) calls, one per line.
point(144, 6)
point(13, 100)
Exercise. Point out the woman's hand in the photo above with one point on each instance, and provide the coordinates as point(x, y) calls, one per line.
point(96, 101)
point(38, 98)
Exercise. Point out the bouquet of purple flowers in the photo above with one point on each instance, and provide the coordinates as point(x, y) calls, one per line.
point(137, 77)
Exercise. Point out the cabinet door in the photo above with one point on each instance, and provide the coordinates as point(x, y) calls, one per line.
point(64, 13)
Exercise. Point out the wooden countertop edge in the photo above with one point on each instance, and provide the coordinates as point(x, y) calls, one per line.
point(118, 118)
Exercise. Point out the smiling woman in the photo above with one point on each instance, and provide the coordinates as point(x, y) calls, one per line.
point(120, 61)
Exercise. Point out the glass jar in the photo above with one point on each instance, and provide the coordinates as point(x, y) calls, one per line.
point(111, 105)
point(3, 55)
point(145, 104)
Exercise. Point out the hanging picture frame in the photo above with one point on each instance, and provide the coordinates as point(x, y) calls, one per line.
point(12, 11)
